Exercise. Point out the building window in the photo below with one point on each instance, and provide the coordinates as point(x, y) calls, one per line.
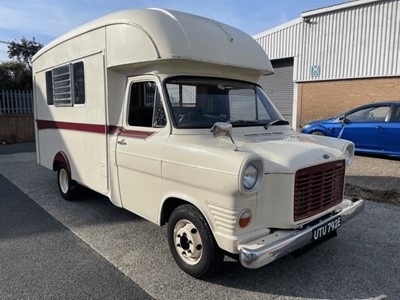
point(65, 85)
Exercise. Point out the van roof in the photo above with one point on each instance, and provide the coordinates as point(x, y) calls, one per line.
point(178, 35)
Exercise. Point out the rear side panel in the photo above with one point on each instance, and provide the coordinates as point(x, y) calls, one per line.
point(80, 130)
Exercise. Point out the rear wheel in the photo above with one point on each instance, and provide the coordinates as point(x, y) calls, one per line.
point(66, 185)
point(192, 244)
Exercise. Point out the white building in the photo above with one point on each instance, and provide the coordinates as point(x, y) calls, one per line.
point(334, 58)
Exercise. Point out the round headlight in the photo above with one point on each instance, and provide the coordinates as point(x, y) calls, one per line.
point(250, 176)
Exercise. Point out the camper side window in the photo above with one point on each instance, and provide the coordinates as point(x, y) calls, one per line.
point(145, 106)
point(65, 85)
point(79, 82)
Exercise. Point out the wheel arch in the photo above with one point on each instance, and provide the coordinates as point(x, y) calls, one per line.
point(318, 132)
point(173, 202)
point(168, 207)
point(319, 128)
point(61, 159)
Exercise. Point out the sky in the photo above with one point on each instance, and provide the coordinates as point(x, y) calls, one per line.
point(47, 19)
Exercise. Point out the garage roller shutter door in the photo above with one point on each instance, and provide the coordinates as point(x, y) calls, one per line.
point(279, 86)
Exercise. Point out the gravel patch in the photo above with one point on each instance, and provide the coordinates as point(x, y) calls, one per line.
point(374, 178)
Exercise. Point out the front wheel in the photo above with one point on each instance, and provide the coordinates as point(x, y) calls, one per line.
point(192, 244)
point(66, 185)
point(318, 133)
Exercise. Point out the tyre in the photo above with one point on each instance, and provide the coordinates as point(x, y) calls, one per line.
point(318, 133)
point(192, 244)
point(66, 185)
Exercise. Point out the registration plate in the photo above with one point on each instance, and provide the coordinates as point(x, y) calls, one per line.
point(326, 228)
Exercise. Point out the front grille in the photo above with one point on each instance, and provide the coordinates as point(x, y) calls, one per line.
point(318, 188)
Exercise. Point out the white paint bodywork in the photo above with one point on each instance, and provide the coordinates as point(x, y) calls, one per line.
point(191, 165)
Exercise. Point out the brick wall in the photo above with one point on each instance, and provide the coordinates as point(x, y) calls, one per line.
point(320, 100)
point(16, 128)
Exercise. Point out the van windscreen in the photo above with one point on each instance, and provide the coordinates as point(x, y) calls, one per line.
point(200, 102)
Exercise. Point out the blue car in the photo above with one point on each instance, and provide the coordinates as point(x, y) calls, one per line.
point(373, 128)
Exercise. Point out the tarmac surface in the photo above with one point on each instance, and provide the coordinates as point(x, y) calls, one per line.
point(89, 249)
point(40, 258)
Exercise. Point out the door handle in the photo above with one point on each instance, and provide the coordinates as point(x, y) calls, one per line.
point(121, 142)
point(379, 127)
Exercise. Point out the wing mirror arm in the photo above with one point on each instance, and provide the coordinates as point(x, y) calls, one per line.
point(343, 121)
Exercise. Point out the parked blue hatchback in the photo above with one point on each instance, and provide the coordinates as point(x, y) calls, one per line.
point(373, 128)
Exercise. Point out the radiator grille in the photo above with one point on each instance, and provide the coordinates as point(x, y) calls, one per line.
point(318, 188)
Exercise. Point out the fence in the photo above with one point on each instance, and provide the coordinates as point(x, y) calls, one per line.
point(16, 102)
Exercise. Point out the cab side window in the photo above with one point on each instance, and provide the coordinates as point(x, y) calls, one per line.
point(395, 114)
point(371, 114)
point(145, 106)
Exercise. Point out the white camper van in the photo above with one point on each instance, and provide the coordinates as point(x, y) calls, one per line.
point(161, 112)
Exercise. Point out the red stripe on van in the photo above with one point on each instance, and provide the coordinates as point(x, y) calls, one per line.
point(93, 128)
point(45, 124)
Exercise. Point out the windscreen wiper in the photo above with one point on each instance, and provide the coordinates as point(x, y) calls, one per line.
point(276, 122)
point(243, 122)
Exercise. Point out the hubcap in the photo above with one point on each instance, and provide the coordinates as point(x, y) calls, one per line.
point(188, 242)
point(64, 181)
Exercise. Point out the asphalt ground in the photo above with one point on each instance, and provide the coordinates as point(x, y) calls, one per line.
point(362, 262)
point(40, 258)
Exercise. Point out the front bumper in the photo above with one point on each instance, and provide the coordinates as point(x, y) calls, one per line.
point(280, 243)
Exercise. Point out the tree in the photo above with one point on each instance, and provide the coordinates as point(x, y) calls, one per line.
point(24, 50)
point(15, 75)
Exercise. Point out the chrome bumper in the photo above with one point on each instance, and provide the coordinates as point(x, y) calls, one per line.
point(280, 243)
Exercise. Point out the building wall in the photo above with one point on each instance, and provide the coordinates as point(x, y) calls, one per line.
point(16, 128)
point(323, 99)
point(282, 41)
point(344, 56)
point(359, 41)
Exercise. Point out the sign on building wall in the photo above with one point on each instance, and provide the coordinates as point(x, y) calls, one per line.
point(315, 70)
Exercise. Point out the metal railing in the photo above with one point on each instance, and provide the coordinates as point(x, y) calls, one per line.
point(16, 102)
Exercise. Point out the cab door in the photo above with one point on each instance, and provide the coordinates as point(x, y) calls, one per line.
point(367, 128)
point(140, 145)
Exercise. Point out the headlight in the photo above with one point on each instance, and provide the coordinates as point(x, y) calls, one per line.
point(349, 154)
point(250, 177)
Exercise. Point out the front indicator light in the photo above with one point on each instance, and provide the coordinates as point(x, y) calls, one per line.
point(244, 218)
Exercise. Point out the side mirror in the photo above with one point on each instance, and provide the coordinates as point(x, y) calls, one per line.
point(223, 129)
point(343, 120)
